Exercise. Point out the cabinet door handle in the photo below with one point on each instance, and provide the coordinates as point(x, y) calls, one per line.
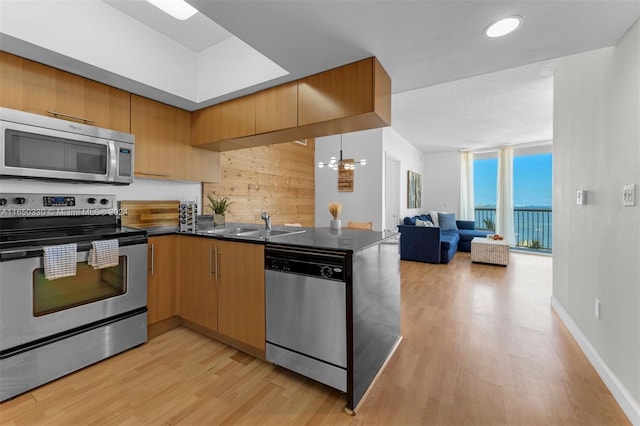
point(153, 255)
point(75, 117)
point(210, 263)
point(216, 254)
point(153, 174)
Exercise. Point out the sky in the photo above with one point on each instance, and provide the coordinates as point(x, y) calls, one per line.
point(531, 180)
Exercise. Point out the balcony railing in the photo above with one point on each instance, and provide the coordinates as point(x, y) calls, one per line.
point(533, 227)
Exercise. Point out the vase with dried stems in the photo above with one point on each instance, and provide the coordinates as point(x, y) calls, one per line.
point(335, 209)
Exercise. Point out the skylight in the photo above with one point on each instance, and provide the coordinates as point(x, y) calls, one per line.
point(179, 9)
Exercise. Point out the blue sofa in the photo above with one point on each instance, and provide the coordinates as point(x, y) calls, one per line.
point(431, 244)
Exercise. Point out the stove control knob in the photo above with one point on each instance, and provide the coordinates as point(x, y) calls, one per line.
point(104, 201)
point(20, 200)
point(91, 200)
point(3, 201)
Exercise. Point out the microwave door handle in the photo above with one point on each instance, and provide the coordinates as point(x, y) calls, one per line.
point(113, 162)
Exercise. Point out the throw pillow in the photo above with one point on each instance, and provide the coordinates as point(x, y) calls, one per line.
point(447, 222)
point(421, 222)
point(426, 223)
point(434, 217)
point(409, 220)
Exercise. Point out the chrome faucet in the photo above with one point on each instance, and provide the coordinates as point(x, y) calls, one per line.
point(267, 221)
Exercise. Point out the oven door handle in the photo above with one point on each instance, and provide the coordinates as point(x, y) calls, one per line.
point(82, 247)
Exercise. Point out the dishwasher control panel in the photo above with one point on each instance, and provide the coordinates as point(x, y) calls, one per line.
point(320, 265)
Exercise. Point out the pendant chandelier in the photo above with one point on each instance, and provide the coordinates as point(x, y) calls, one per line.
point(335, 163)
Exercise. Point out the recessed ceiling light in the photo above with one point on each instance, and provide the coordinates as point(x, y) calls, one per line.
point(503, 26)
point(179, 9)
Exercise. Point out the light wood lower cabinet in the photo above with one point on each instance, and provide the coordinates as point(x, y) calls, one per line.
point(222, 289)
point(241, 313)
point(161, 279)
point(198, 282)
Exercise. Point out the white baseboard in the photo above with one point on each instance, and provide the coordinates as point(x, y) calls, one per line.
point(630, 406)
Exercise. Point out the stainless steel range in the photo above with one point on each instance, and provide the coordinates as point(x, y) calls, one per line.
point(52, 325)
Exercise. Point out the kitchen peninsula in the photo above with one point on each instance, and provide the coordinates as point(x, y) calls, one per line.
point(370, 290)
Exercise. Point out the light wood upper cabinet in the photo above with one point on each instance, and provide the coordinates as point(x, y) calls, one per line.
point(163, 144)
point(195, 164)
point(349, 98)
point(339, 92)
point(198, 280)
point(361, 89)
point(29, 86)
point(277, 108)
point(381, 92)
point(161, 279)
point(232, 119)
point(241, 308)
point(155, 128)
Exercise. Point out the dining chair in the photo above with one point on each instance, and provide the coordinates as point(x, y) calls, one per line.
point(360, 225)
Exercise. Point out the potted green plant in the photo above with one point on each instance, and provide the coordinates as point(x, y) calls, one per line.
point(218, 206)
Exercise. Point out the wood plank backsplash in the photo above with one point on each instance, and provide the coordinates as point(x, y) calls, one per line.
point(278, 179)
point(149, 214)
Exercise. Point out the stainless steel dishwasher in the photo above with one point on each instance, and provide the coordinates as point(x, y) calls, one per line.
point(306, 324)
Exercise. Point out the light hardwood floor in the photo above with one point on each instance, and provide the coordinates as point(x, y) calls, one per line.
point(481, 346)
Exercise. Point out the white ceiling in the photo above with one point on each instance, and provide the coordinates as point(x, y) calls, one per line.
point(509, 107)
point(453, 88)
point(197, 34)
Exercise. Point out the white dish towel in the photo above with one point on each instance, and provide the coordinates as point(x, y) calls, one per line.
point(60, 261)
point(104, 254)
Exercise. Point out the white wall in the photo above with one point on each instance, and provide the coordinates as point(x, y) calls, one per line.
point(410, 159)
point(440, 184)
point(596, 246)
point(365, 203)
point(140, 189)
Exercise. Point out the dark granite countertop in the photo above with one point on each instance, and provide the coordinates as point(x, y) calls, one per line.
point(161, 230)
point(351, 240)
point(343, 240)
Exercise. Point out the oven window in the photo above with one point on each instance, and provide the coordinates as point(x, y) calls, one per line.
point(87, 286)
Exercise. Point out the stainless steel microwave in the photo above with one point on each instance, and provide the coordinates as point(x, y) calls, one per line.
point(35, 146)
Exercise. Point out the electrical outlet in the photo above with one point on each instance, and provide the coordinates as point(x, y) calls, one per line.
point(597, 308)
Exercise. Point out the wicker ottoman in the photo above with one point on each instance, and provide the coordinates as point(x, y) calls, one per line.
point(494, 252)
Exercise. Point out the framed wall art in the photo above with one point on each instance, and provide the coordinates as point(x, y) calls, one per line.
point(414, 190)
point(345, 176)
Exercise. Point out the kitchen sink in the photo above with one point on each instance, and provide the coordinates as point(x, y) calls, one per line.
point(263, 233)
point(251, 232)
point(227, 231)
